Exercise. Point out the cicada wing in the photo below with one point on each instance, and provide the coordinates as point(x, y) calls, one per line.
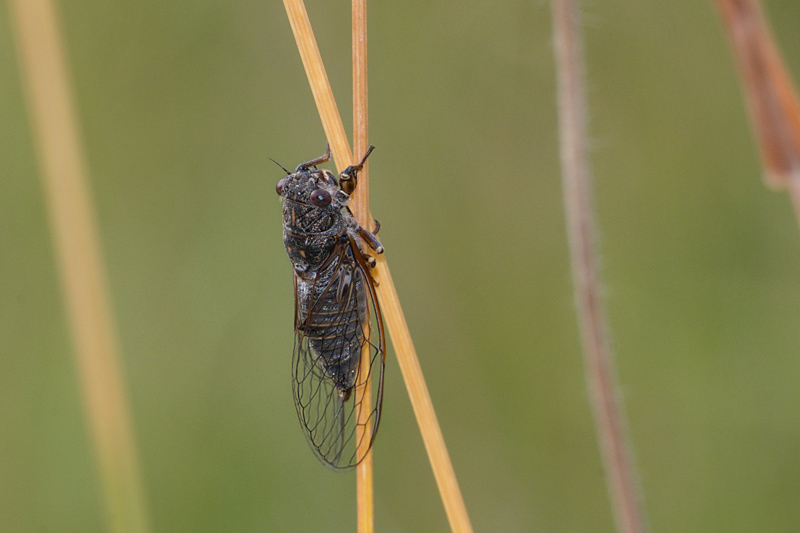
point(327, 381)
point(375, 349)
point(320, 408)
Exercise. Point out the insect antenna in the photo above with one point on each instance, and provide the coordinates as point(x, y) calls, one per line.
point(287, 172)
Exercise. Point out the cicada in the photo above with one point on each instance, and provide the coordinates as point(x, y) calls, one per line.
point(337, 319)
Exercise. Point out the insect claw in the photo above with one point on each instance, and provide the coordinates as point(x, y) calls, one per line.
point(377, 227)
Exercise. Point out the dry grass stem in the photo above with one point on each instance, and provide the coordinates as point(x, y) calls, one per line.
point(80, 261)
point(360, 207)
point(421, 401)
point(318, 79)
point(390, 305)
point(600, 372)
point(769, 92)
point(360, 200)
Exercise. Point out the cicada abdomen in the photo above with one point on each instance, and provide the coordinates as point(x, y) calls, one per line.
point(337, 317)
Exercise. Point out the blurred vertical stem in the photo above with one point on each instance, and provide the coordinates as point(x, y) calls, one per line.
point(769, 93)
point(600, 372)
point(359, 204)
point(390, 304)
point(360, 200)
point(80, 261)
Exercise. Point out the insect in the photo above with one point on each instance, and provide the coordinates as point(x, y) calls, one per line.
point(337, 319)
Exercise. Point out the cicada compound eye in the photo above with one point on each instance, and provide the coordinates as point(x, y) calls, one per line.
point(321, 198)
point(279, 186)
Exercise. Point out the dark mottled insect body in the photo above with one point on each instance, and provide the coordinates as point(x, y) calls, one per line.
point(337, 318)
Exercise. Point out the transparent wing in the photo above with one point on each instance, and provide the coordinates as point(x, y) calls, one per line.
point(343, 324)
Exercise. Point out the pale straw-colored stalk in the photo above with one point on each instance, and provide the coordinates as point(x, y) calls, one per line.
point(360, 206)
point(598, 361)
point(80, 261)
point(770, 95)
point(387, 295)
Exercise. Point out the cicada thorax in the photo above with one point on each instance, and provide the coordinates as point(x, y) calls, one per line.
point(333, 312)
point(310, 231)
point(309, 236)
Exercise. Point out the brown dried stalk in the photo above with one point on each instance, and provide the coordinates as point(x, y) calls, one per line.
point(390, 305)
point(771, 97)
point(598, 361)
point(360, 206)
point(80, 261)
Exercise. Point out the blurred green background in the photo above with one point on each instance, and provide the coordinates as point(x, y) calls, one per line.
point(181, 104)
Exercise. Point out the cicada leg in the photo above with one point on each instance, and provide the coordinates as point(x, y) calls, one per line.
point(317, 161)
point(371, 240)
point(349, 177)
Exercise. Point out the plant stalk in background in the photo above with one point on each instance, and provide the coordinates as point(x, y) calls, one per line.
point(598, 360)
point(769, 93)
point(80, 261)
point(360, 207)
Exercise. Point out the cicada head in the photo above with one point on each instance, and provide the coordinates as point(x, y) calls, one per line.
point(313, 216)
point(314, 188)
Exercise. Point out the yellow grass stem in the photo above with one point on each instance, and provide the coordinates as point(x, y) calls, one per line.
point(421, 400)
point(360, 206)
point(387, 295)
point(360, 200)
point(320, 87)
point(80, 261)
